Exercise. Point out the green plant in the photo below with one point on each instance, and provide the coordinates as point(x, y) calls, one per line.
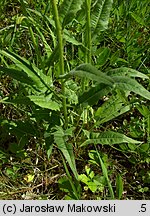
point(93, 182)
point(97, 158)
point(119, 186)
point(61, 80)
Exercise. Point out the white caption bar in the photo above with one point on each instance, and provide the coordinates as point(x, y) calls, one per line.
point(73, 208)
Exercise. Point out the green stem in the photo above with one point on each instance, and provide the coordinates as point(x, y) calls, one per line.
point(148, 128)
point(88, 31)
point(87, 45)
point(87, 37)
point(70, 178)
point(61, 59)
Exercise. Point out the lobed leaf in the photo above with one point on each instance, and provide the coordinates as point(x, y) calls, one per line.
point(109, 138)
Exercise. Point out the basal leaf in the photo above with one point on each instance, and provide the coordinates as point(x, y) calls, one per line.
point(105, 173)
point(100, 16)
point(66, 148)
point(68, 10)
point(18, 75)
point(31, 70)
point(108, 138)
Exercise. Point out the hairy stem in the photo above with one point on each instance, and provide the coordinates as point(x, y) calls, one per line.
point(61, 59)
point(87, 37)
point(88, 30)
